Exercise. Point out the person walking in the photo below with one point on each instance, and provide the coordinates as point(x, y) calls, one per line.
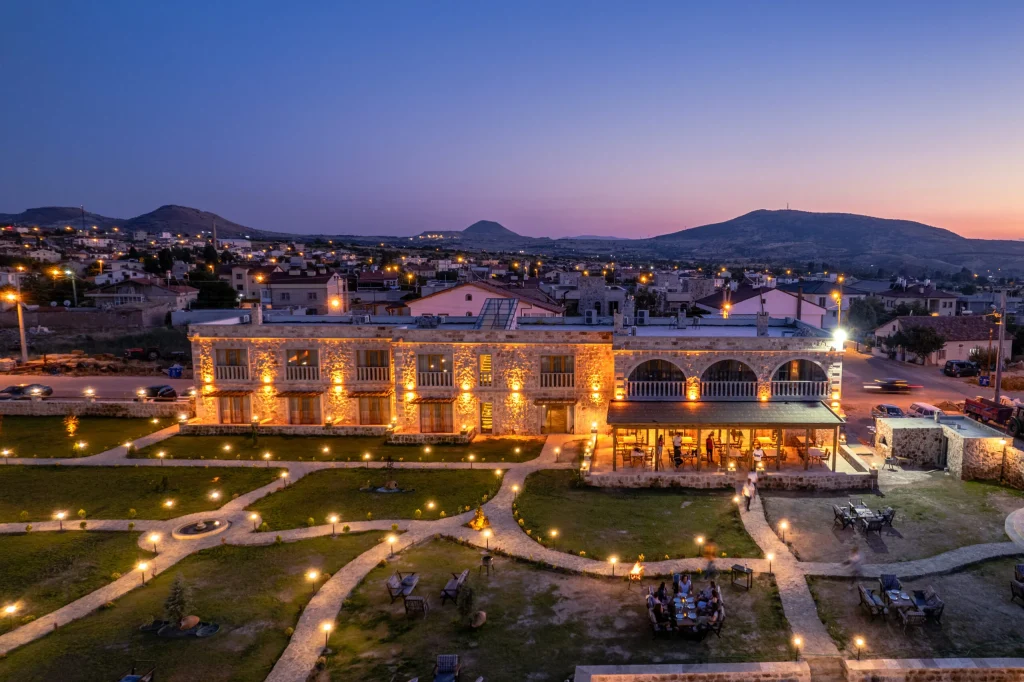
point(747, 493)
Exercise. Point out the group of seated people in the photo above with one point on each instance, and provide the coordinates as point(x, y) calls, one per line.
point(663, 607)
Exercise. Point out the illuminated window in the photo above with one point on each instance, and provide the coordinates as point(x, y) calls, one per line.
point(486, 375)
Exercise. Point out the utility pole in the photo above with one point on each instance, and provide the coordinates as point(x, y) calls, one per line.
point(999, 348)
point(74, 288)
point(16, 300)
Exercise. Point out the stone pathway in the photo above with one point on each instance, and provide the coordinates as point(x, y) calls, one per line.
point(306, 643)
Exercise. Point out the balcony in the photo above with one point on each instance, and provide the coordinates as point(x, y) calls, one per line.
point(302, 373)
point(372, 374)
point(557, 380)
point(231, 372)
point(655, 390)
point(801, 390)
point(728, 390)
point(434, 379)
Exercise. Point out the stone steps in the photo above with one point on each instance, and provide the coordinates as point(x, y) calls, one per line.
point(826, 669)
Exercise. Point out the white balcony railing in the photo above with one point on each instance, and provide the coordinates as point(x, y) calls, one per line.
point(302, 373)
point(728, 390)
point(372, 373)
point(557, 380)
point(433, 379)
point(231, 372)
point(809, 390)
point(655, 390)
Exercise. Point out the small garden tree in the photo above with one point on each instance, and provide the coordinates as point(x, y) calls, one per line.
point(179, 600)
point(923, 341)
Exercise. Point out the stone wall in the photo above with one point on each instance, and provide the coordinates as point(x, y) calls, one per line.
point(918, 440)
point(432, 438)
point(982, 459)
point(198, 429)
point(810, 480)
point(707, 672)
point(82, 408)
point(936, 670)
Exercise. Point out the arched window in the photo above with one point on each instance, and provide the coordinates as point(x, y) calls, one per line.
point(729, 370)
point(469, 297)
point(657, 370)
point(799, 370)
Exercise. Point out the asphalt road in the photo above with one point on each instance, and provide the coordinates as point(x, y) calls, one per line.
point(860, 369)
point(110, 387)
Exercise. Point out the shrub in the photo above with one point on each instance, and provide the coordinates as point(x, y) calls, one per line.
point(29, 618)
point(310, 522)
point(394, 526)
point(522, 523)
point(288, 632)
point(83, 524)
point(115, 576)
point(418, 513)
point(346, 528)
point(179, 600)
point(131, 525)
point(369, 516)
point(264, 527)
point(28, 528)
point(23, 516)
point(109, 605)
point(278, 539)
point(132, 513)
point(81, 513)
point(443, 515)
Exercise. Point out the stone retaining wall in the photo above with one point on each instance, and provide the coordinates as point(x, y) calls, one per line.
point(709, 672)
point(936, 670)
point(812, 480)
point(432, 438)
point(281, 430)
point(82, 408)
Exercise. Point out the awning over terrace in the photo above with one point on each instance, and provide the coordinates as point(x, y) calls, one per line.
point(745, 414)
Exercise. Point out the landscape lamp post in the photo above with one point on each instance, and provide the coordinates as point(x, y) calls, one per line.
point(266, 458)
point(859, 643)
point(9, 613)
point(613, 560)
point(327, 627)
point(797, 643)
point(6, 452)
point(312, 577)
point(515, 492)
point(154, 538)
point(700, 545)
point(254, 517)
point(160, 455)
point(783, 525)
point(391, 545)
point(487, 539)
point(333, 519)
point(60, 518)
point(142, 570)
point(770, 557)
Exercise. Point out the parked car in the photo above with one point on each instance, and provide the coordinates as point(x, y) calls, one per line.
point(141, 353)
point(924, 410)
point(886, 410)
point(890, 385)
point(159, 393)
point(960, 368)
point(25, 392)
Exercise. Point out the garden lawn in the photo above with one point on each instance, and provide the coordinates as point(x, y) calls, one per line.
point(623, 522)
point(44, 571)
point(489, 451)
point(336, 491)
point(979, 619)
point(254, 593)
point(934, 514)
point(110, 492)
point(540, 623)
point(48, 436)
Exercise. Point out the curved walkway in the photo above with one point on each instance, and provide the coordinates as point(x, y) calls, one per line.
point(508, 537)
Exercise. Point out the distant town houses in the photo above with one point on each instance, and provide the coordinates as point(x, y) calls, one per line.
point(776, 302)
point(964, 338)
point(468, 300)
point(153, 297)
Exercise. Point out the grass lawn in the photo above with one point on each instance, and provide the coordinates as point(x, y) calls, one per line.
point(540, 624)
point(109, 492)
point(254, 593)
point(979, 620)
point(607, 522)
point(491, 451)
point(48, 437)
point(44, 571)
point(933, 514)
point(337, 492)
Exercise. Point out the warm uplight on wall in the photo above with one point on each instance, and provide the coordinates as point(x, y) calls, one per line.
point(409, 385)
point(267, 378)
point(337, 390)
point(409, 395)
point(465, 385)
point(335, 302)
point(515, 388)
point(692, 395)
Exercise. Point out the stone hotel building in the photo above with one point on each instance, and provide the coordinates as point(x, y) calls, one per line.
point(448, 379)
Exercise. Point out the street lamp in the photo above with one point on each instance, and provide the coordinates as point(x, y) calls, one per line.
point(143, 566)
point(859, 643)
point(9, 612)
point(700, 545)
point(770, 557)
point(16, 300)
point(332, 519)
point(160, 455)
point(391, 544)
point(613, 560)
point(284, 477)
point(254, 517)
point(797, 643)
point(74, 289)
point(487, 538)
point(154, 538)
point(266, 458)
point(327, 627)
point(312, 576)
point(783, 525)
point(61, 515)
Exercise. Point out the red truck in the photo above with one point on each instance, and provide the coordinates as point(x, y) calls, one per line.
point(1009, 416)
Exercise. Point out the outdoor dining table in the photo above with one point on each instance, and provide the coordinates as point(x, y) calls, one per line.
point(898, 599)
point(686, 612)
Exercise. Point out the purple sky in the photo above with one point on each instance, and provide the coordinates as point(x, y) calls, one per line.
point(628, 119)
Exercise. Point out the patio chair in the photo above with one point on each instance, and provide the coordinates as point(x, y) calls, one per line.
point(887, 514)
point(447, 668)
point(888, 581)
point(928, 601)
point(1017, 590)
point(717, 627)
point(856, 502)
point(873, 526)
point(841, 515)
point(912, 618)
point(871, 602)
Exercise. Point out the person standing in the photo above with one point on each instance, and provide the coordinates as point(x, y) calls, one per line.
point(747, 493)
point(710, 445)
point(677, 449)
point(659, 448)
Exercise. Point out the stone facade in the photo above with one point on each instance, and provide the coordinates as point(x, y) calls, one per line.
point(917, 440)
point(193, 429)
point(935, 670)
point(81, 408)
point(811, 480)
point(514, 393)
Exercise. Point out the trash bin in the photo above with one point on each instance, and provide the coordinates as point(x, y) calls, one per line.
point(174, 372)
point(983, 381)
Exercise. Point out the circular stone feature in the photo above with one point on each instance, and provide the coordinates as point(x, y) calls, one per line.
point(201, 529)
